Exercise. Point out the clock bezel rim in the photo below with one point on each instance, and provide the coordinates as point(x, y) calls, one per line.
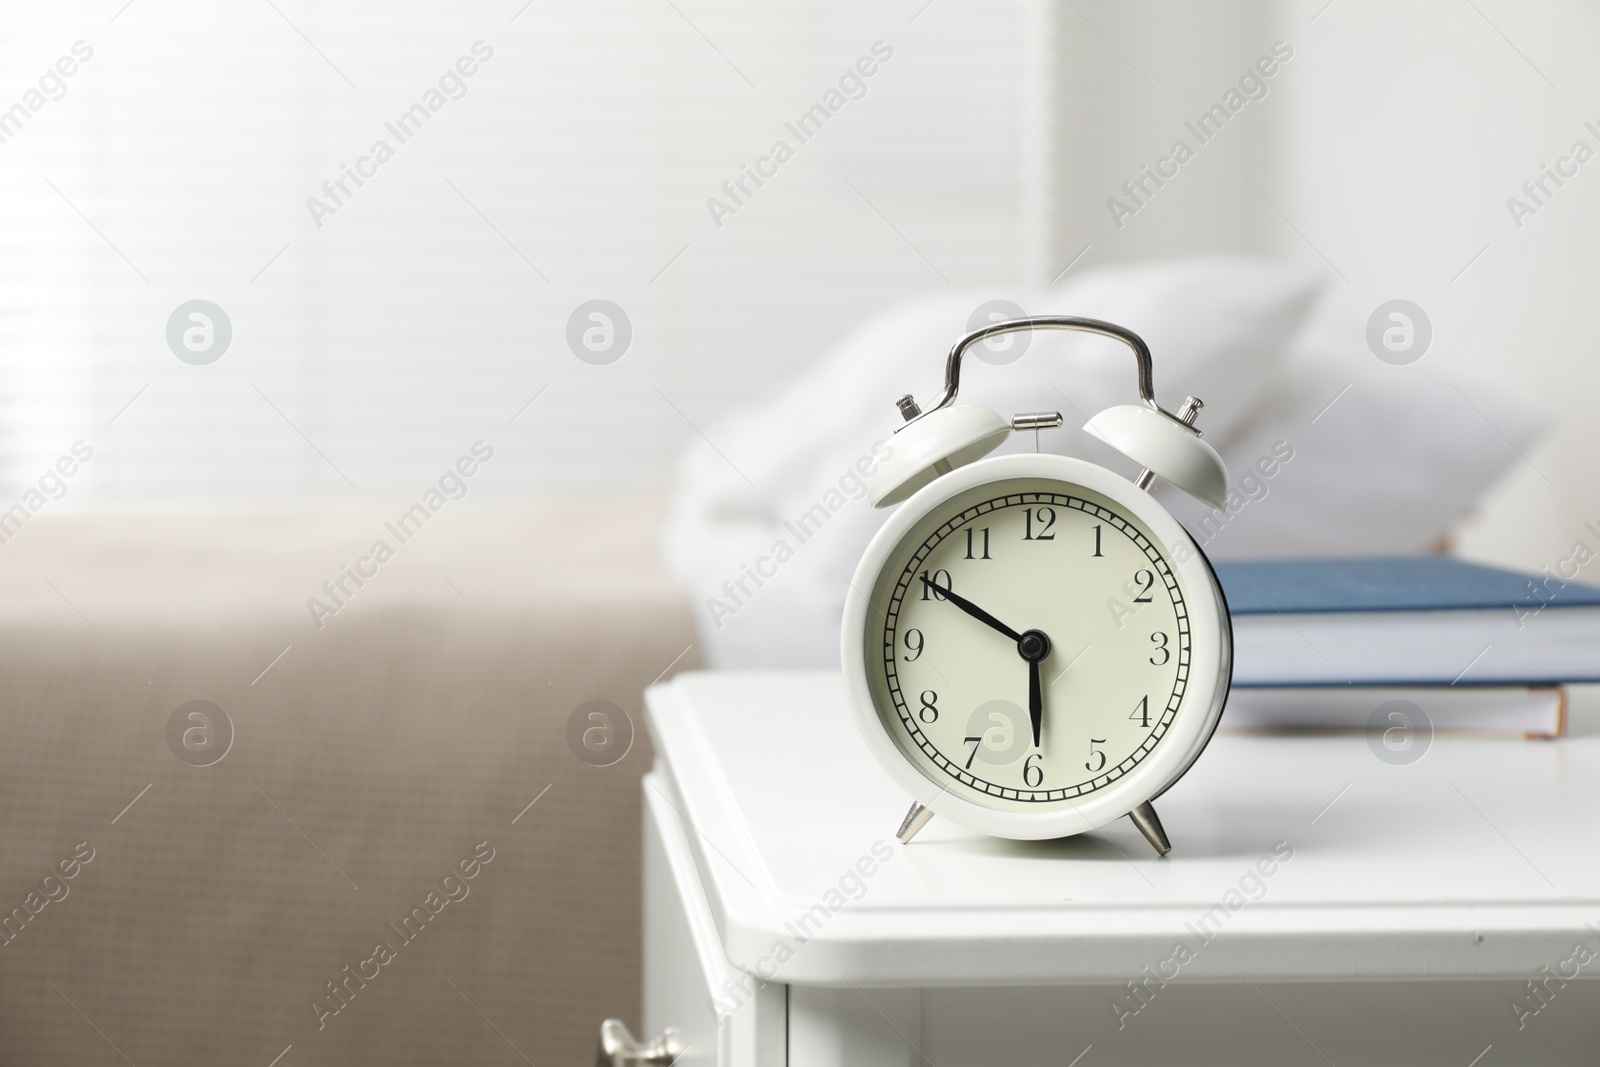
point(1161, 769)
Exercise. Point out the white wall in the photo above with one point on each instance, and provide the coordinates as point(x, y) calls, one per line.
point(1131, 76)
point(1406, 128)
point(1384, 153)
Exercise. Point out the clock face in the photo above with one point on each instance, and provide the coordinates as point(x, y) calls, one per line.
point(1030, 599)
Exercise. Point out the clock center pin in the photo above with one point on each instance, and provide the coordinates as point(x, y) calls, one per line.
point(1033, 645)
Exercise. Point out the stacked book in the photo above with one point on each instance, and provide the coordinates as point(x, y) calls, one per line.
point(1323, 644)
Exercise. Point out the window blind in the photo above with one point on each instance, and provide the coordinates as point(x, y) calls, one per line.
point(390, 306)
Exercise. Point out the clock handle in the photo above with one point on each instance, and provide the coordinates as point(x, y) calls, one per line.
point(1163, 444)
point(952, 365)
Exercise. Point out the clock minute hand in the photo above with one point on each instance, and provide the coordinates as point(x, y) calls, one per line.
point(941, 593)
point(1034, 647)
point(1035, 699)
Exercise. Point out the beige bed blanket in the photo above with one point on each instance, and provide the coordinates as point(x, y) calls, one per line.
point(360, 876)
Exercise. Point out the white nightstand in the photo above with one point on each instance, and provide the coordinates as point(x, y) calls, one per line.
point(1319, 905)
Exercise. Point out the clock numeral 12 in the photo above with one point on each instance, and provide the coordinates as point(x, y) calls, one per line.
point(985, 532)
point(1047, 520)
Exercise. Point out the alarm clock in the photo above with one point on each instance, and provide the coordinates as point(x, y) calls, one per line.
point(1032, 645)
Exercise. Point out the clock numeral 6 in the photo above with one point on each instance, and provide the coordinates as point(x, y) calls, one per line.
point(1095, 754)
point(945, 582)
point(929, 712)
point(914, 650)
point(1162, 652)
point(1032, 773)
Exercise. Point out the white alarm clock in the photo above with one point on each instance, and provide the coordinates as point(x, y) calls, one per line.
point(1032, 645)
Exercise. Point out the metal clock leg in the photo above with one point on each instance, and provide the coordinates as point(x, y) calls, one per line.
point(1149, 824)
point(915, 820)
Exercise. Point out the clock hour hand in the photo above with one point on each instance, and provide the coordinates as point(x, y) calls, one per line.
point(941, 593)
point(1033, 646)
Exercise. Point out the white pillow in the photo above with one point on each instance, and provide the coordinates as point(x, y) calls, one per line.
point(770, 593)
point(1349, 456)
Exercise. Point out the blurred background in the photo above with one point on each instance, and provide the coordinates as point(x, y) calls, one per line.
point(577, 163)
point(400, 218)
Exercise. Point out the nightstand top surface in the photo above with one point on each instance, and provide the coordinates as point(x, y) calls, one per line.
point(1293, 856)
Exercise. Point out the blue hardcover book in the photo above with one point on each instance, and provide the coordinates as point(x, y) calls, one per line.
point(1414, 621)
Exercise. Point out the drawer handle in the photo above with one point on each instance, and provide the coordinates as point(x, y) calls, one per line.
point(618, 1048)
